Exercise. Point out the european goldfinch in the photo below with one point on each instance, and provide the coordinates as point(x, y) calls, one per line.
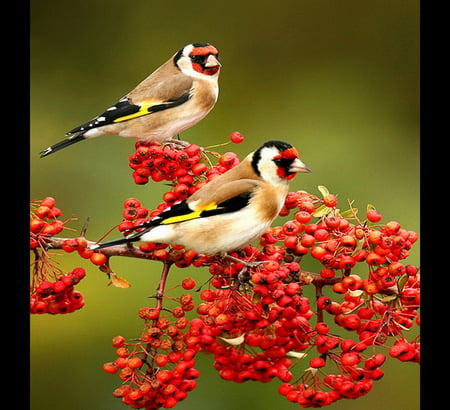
point(173, 98)
point(230, 211)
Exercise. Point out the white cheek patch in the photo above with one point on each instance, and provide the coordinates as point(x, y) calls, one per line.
point(187, 50)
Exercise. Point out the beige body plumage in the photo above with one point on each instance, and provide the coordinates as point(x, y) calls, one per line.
point(176, 96)
point(232, 210)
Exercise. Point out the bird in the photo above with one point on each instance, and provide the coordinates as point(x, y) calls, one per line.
point(229, 212)
point(174, 97)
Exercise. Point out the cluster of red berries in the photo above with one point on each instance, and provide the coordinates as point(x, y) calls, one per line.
point(254, 317)
point(376, 318)
point(158, 369)
point(44, 222)
point(59, 296)
point(250, 340)
point(405, 351)
point(80, 245)
point(340, 244)
point(255, 320)
point(256, 332)
point(163, 162)
point(51, 290)
point(175, 162)
point(317, 388)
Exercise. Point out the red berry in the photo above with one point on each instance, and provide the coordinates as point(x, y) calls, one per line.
point(317, 362)
point(348, 241)
point(332, 222)
point(373, 215)
point(42, 211)
point(303, 216)
point(323, 302)
point(199, 168)
point(49, 202)
point(321, 234)
point(192, 150)
point(350, 358)
point(118, 341)
point(228, 159)
point(291, 228)
point(365, 312)
point(36, 225)
point(236, 137)
point(188, 283)
point(134, 362)
point(307, 240)
point(285, 388)
point(346, 262)
point(352, 282)
point(351, 321)
point(327, 273)
point(98, 258)
point(170, 197)
point(392, 227)
point(110, 367)
point(181, 190)
point(374, 259)
point(322, 328)
point(330, 200)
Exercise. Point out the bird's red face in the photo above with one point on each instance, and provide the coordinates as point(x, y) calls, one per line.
point(205, 59)
point(289, 164)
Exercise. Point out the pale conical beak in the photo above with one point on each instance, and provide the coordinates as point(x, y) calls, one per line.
point(212, 61)
point(298, 166)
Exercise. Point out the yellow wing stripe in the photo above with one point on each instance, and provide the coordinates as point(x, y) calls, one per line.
point(143, 110)
point(189, 216)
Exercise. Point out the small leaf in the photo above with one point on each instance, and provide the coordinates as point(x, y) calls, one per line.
point(297, 355)
point(236, 341)
point(119, 282)
point(403, 327)
point(349, 213)
point(385, 299)
point(355, 293)
point(358, 247)
point(370, 206)
point(323, 190)
point(322, 210)
point(401, 282)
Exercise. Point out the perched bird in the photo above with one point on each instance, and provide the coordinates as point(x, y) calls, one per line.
point(230, 211)
point(173, 98)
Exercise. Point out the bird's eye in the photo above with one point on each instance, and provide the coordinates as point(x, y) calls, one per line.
point(197, 59)
point(279, 161)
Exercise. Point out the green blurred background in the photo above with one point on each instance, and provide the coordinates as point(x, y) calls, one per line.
point(338, 79)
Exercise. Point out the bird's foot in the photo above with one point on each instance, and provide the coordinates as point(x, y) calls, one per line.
point(177, 142)
point(243, 275)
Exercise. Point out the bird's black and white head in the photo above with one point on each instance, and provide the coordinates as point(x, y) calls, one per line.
point(198, 60)
point(277, 162)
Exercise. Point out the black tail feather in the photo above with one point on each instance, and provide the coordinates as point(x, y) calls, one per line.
point(134, 237)
point(120, 241)
point(62, 144)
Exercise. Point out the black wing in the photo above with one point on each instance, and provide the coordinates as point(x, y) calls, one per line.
point(125, 110)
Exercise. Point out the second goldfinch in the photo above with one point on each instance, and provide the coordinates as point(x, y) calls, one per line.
point(176, 96)
point(232, 210)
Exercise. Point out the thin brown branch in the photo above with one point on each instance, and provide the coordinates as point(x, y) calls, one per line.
point(115, 250)
point(162, 284)
point(131, 251)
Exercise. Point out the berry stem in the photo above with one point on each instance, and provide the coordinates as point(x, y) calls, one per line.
point(162, 283)
point(319, 309)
